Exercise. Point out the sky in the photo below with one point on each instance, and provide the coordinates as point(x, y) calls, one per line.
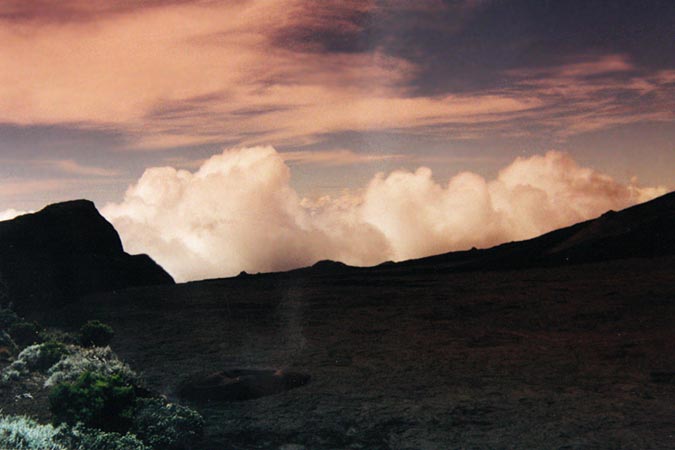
point(336, 119)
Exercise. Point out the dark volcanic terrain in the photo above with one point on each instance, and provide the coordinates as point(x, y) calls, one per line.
point(564, 341)
point(568, 357)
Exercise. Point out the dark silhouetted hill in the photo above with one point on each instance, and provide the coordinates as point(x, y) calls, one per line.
point(64, 251)
point(644, 230)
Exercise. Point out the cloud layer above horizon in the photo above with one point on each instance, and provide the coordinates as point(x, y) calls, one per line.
point(238, 211)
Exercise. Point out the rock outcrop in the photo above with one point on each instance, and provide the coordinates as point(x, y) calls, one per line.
point(63, 252)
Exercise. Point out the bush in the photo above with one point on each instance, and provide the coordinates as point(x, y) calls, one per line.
point(96, 334)
point(25, 333)
point(54, 334)
point(41, 357)
point(97, 401)
point(16, 371)
point(81, 438)
point(8, 318)
point(22, 433)
point(38, 357)
point(7, 345)
point(167, 426)
point(99, 360)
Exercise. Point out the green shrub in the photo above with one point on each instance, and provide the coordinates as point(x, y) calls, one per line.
point(167, 426)
point(22, 433)
point(99, 360)
point(96, 334)
point(97, 401)
point(38, 357)
point(81, 438)
point(25, 333)
point(7, 343)
point(8, 318)
point(54, 334)
point(49, 353)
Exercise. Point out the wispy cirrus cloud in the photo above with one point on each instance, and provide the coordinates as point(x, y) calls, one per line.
point(341, 157)
point(73, 167)
point(14, 188)
point(73, 11)
point(186, 73)
point(322, 158)
point(251, 72)
point(594, 93)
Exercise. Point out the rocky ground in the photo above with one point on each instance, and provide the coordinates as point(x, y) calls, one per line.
point(568, 357)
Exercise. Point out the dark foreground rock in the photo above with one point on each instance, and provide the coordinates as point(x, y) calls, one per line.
point(62, 252)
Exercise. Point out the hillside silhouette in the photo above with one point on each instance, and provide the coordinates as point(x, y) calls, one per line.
point(645, 230)
point(62, 252)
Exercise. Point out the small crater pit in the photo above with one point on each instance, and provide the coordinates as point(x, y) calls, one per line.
point(234, 385)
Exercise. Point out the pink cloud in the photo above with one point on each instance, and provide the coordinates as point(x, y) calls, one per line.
point(73, 167)
point(182, 74)
point(188, 72)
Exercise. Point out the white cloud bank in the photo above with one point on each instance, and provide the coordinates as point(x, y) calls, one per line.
point(11, 213)
point(238, 212)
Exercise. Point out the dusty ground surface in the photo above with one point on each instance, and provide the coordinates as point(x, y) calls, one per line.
point(25, 397)
point(571, 357)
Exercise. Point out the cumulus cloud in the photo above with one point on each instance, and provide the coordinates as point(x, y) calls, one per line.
point(528, 197)
point(238, 212)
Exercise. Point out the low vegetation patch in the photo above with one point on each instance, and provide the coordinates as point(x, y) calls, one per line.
point(41, 357)
point(95, 400)
point(96, 334)
point(36, 358)
point(82, 438)
point(8, 318)
point(167, 426)
point(22, 433)
point(7, 345)
point(54, 334)
point(25, 333)
point(98, 360)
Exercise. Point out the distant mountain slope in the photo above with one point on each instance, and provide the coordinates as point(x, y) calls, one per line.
point(644, 230)
point(64, 251)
